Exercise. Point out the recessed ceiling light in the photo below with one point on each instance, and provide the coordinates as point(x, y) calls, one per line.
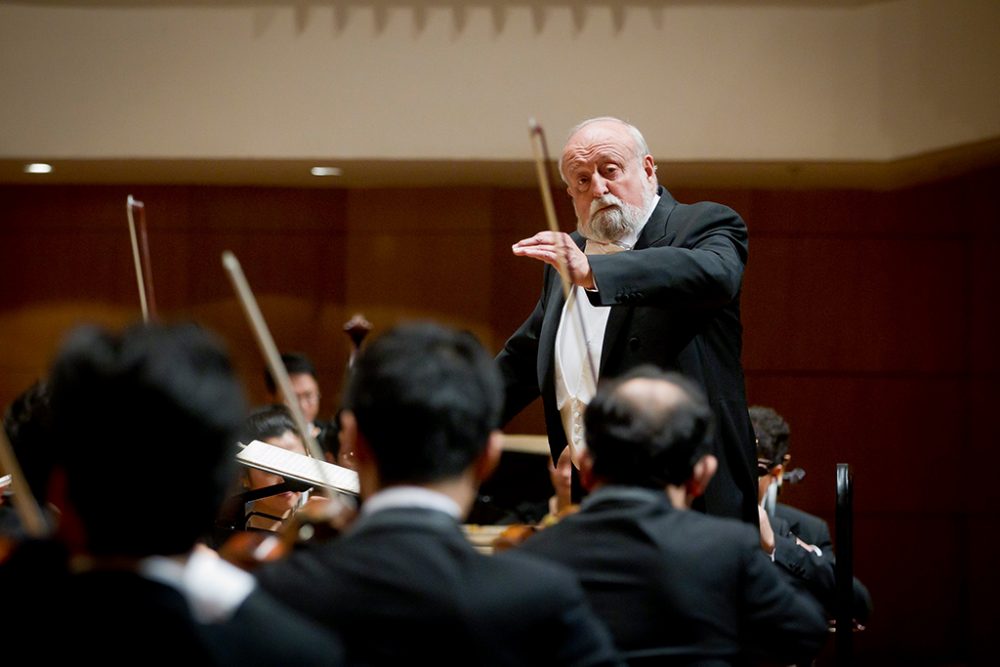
point(325, 171)
point(37, 168)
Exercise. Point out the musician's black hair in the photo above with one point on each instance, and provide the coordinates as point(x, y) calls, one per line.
point(269, 421)
point(149, 477)
point(772, 434)
point(650, 443)
point(295, 363)
point(425, 398)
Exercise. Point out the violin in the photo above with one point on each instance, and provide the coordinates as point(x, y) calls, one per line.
point(321, 518)
point(560, 505)
point(515, 534)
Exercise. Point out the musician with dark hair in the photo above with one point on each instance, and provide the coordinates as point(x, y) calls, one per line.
point(404, 584)
point(305, 383)
point(274, 425)
point(674, 586)
point(799, 541)
point(144, 423)
point(26, 422)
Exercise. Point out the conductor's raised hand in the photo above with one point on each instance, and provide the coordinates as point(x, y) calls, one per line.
point(557, 248)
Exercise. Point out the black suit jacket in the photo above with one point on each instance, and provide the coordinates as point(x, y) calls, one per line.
point(811, 528)
point(815, 573)
point(121, 618)
point(679, 584)
point(674, 303)
point(405, 585)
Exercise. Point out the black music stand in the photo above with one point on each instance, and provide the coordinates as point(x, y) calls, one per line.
point(844, 640)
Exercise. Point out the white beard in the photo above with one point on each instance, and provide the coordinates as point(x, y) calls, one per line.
point(614, 222)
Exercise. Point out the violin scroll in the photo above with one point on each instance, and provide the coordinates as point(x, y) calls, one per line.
point(356, 329)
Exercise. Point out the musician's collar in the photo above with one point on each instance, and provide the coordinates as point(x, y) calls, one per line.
point(411, 496)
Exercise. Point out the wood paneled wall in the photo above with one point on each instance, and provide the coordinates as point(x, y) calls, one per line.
point(871, 323)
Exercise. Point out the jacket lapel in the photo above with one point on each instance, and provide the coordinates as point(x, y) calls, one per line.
point(656, 227)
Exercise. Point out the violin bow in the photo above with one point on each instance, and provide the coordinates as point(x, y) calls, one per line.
point(271, 356)
point(136, 211)
point(24, 501)
point(542, 161)
point(541, 153)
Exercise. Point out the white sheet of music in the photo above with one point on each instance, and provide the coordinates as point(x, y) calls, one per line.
point(299, 467)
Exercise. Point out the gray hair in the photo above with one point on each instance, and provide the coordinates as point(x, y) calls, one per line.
point(638, 141)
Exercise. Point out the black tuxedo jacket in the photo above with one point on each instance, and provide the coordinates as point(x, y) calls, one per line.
point(679, 585)
point(675, 303)
point(405, 586)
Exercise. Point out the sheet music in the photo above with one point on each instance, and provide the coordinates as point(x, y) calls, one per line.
point(299, 467)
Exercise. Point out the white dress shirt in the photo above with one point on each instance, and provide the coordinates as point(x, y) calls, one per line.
point(575, 373)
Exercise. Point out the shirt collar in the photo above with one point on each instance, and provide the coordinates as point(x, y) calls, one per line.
point(410, 496)
point(624, 493)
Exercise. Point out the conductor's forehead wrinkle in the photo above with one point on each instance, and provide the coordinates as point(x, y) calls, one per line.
point(582, 156)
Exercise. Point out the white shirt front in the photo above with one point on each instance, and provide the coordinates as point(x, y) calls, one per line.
point(579, 343)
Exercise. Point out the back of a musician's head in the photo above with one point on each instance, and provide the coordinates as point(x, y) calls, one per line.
point(426, 399)
point(772, 433)
point(648, 428)
point(150, 474)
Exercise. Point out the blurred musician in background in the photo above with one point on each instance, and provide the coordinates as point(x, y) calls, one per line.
point(403, 584)
point(302, 374)
point(25, 558)
point(800, 541)
point(27, 422)
point(144, 424)
point(274, 425)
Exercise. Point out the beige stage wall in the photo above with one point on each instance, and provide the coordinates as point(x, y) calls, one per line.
point(424, 80)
